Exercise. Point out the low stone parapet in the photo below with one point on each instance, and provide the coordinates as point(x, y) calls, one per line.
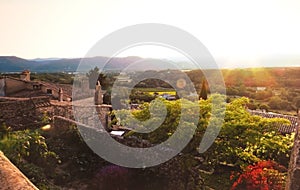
point(11, 177)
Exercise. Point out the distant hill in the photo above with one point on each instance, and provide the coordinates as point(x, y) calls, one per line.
point(16, 64)
point(44, 59)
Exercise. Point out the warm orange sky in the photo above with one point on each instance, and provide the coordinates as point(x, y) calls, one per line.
point(232, 29)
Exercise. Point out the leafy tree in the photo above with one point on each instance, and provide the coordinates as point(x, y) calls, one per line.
point(264, 107)
point(277, 103)
point(261, 95)
point(297, 102)
point(93, 76)
point(4, 131)
point(244, 138)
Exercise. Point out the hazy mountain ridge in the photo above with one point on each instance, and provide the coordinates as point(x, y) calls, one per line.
point(16, 64)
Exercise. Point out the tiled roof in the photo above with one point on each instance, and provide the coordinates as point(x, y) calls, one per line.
point(285, 129)
point(67, 89)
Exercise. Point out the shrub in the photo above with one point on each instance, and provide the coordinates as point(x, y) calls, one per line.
point(28, 145)
point(264, 175)
point(112, 177)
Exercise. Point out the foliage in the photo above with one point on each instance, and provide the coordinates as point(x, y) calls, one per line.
point(244, 138)
point(181, 172)
point(4, 131)
point(61, 78)
point(261, 95)
point(296, 101)
point(277, 103)
point(264, 107)
point(141, 97)
point(203, 92)
point(93, 76)
point(282, 82)
point(112, 177)
point(27, 145)
point(264, 175)
point(45, 118)
point(29, 151)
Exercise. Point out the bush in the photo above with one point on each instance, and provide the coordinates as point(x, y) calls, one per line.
point(264, 107)
point(27, 145)
point(264, 175)
point(112, 177)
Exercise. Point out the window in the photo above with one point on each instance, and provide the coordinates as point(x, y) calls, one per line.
point(49, 91)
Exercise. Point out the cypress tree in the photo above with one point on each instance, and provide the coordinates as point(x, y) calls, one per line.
point(203, 92)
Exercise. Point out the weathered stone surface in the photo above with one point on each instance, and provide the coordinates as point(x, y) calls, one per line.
point(293, 181)
point(11, 177)
point(19, 112)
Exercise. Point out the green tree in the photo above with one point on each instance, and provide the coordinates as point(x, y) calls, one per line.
point(277, 103)
point(93, 76)
point(264, 107)
point(243, 139)
point(296, 102)
point(203, 92)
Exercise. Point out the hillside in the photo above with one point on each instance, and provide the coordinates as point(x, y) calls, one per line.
point(16, 64)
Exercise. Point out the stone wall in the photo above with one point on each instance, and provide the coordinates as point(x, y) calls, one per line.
point(62, 124)
point(90, 115)
point(11, 177)
point(15, 85)
point(21, 113)
point(2, 87)
point(53, 89)
point(293, 181)
point(15, 112)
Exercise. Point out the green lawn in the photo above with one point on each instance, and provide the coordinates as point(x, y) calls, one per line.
point(160, 91)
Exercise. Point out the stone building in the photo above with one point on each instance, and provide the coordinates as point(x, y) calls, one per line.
point(24, 87)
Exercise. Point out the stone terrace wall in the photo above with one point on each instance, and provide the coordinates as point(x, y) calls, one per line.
point(293, 181)
point(20, 113)
point(90, 115)
point(62, 124)
point(16, 111)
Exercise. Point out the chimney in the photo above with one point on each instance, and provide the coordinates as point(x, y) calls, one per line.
point(25, 75)
point(60, 95)
point(98, 94)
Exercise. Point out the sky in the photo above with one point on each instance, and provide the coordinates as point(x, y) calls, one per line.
point(232, 30)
